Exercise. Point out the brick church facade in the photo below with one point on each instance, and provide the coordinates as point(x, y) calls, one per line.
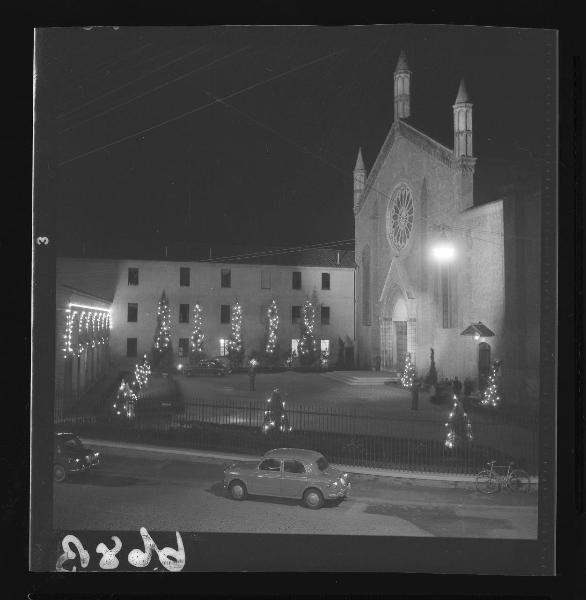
point(441, 265)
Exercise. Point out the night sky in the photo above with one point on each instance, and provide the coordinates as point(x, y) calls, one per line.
point(270, 164)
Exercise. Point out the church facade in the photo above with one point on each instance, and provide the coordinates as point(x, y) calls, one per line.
point(440, 268)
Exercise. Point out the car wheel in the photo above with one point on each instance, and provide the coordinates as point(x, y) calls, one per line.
point(238, 490)
point(313, 498)
point(59, 473)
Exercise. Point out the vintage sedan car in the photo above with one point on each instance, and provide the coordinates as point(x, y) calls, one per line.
point(288, 473)
point(71, 456)
point(205, 367)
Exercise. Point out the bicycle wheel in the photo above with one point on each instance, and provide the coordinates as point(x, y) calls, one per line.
point(519, 481)
point(487, 482)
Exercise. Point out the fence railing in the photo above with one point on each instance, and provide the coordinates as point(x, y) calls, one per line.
point(414, 442)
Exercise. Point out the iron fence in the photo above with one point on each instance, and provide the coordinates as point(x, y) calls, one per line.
point(413, 443)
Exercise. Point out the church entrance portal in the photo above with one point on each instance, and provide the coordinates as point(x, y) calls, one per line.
point(394, 332)
point(401, 341)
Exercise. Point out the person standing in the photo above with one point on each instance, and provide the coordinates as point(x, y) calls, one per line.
point(252, 374)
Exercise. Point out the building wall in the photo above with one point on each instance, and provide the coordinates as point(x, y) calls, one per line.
point(205, 289)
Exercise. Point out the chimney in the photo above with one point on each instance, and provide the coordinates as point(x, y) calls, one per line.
point(338, 257)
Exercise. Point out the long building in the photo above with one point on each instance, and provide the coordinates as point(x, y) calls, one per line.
point(324, 277)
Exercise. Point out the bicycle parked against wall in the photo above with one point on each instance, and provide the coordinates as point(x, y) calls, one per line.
point(493, 479)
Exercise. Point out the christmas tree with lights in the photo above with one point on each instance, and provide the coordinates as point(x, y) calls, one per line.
point(307, 347)
point(197, 335)
point(142, 373)
point(491, 396)
point(275, 417)
point(162, 347)
point(235, 345)
point(458, 427)
point(272, 345)
point(408, 377)
point(125, 402)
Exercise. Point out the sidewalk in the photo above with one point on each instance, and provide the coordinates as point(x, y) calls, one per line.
point(428, 479)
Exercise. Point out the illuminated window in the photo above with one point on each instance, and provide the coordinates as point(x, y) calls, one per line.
point(294, 346)
point(223, 347)
point(325, 347)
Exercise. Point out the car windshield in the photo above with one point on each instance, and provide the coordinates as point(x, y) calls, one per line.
point(322, 463)
point(71, 441)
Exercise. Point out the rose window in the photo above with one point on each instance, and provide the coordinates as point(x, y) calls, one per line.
point(400, 217)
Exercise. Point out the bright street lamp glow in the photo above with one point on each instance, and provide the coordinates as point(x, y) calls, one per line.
point(443, 252)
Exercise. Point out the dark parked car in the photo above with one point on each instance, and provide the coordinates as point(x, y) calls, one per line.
point(206, 367)
point(288, 473)
point(71, 456)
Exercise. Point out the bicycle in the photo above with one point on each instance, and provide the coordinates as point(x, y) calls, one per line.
point(491, 481)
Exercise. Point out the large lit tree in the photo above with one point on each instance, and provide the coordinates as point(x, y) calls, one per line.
point(197, 335)
point(162, 346)
point(307, 347)
point(272, 344)
point(235, 344)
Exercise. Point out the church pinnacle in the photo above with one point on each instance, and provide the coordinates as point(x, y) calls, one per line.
point(402, 88)
point(359, 180)
point(462, 122)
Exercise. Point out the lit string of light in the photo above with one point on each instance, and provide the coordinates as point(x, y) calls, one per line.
point(235, 340)
point(92, 326)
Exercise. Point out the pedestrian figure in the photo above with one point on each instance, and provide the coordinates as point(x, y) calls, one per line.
point(252, 374)
point(457, 386)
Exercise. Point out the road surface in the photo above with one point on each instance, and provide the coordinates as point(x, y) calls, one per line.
point(131, 490)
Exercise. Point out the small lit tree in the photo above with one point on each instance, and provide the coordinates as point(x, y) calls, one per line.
point(142, 373)
point(307, 347)
point(235, 345)
point(162, 346)
point(491, 396)
point(275, 418)
point(197, 335)
point(125, 402)
point(408, 377)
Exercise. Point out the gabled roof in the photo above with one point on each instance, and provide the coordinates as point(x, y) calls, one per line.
point(401, 129)
point(478, 329)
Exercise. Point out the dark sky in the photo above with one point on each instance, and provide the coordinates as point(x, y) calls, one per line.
point(272, 163)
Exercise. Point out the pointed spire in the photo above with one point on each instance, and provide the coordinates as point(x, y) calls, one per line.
point(359, 162)
point(463, 95)
point(402, 62)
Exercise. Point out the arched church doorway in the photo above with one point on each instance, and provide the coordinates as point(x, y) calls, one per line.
point(394, 334)
point(483, 364)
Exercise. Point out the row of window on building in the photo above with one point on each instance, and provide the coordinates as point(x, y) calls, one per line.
point(226, 278)
point(225, 313)
point(183, 347)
